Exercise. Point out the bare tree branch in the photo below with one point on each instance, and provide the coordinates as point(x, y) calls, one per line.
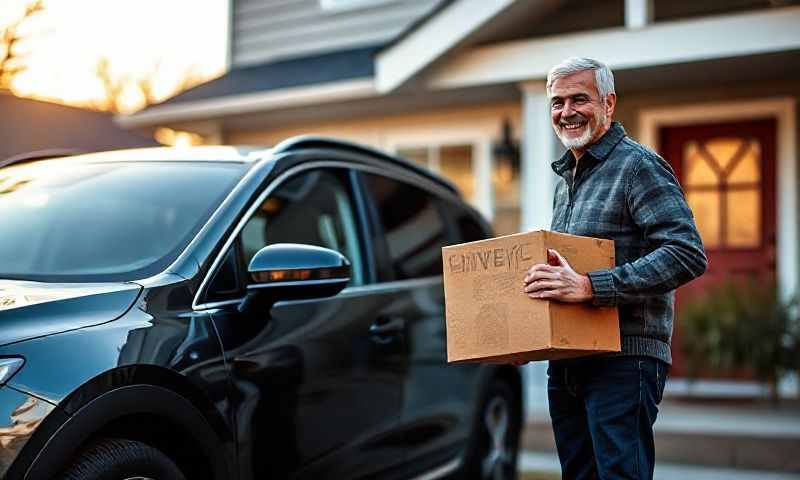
point(142, 85)
point(113, 85)
point(10, 59)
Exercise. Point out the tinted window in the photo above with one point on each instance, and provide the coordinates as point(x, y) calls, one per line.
point(313, 208)
point(225, 282)
point(412, 225)
point(468, 228)
point(116, 221)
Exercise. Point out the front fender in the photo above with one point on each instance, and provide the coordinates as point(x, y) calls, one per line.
point(47, 457)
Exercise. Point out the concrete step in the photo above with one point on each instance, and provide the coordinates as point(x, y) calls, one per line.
point(547, 465)
point(750, 436)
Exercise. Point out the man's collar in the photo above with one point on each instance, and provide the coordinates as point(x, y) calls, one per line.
point(599, 150)
point(603, 147)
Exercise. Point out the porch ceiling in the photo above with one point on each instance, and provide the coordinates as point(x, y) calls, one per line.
point(719, 73)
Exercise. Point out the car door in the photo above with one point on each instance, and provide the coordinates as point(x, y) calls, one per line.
point(438, 398)
point(316, 385)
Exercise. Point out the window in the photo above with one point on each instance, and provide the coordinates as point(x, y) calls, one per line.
point(104, 222)
point(724, 190)
point(452, 161)
point(225, 284)
point(412, 226)
point(460, 163)
point(313, 208)
point(468, 228)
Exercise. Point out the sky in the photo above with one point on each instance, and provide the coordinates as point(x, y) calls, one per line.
point(67, 39)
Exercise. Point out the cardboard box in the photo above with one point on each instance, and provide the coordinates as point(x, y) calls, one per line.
point(491, 319)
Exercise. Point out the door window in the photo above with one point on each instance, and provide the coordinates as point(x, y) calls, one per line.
point(453, 162)
point(412, 226)
point(723, 188)
point(312, 208)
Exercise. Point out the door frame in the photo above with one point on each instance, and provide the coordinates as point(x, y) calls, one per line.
point(786, 201)
point(783, 110)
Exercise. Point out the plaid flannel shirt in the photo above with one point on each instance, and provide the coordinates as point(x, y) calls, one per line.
point(625, 192)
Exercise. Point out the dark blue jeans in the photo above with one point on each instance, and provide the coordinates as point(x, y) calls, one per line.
point(603, 410)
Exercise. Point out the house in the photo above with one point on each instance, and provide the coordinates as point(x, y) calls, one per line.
point(454, 85)
point(34, 126)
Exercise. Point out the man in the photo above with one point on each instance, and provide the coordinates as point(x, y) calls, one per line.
point(603, 407)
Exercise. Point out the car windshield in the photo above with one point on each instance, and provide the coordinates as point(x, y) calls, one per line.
point(65, 221)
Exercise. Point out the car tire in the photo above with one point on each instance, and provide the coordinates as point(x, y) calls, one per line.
point(494, 445)
point(119, 459)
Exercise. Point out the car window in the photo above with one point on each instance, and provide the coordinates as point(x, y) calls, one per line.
point(104, 221)
point(312, 208)
point(412, 226)
point(226, 284)
point(466, 226)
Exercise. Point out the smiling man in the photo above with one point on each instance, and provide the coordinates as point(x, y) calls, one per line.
point(603, 407)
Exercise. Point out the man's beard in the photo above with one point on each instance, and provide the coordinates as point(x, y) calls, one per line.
point(588, 132)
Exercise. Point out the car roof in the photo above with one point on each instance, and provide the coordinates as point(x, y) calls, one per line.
point(177, 154)
point(303, 142)
point(243, 154)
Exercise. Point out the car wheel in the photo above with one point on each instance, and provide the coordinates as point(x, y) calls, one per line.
point(494, 446)
point(118, 459)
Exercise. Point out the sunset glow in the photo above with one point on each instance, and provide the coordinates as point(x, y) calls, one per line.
point(139, 37)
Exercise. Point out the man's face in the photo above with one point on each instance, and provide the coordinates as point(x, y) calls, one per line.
point(579, 116)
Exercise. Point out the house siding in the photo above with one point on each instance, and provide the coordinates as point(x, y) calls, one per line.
point(267, 30)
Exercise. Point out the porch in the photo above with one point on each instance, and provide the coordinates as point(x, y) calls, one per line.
point(697, 439)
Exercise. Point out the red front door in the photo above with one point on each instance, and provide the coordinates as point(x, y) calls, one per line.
point(728, 173)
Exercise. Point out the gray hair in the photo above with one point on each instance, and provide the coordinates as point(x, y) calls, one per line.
point(603, 77)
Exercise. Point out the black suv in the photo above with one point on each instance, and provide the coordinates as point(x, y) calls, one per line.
point(230, 313)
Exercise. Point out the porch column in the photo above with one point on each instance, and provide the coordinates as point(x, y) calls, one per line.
point(539, 150)
point(638, 13)
point(537, 185)
point(482, 168)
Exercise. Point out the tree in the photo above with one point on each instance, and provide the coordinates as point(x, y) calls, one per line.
point(11, 60)
point(126, 92)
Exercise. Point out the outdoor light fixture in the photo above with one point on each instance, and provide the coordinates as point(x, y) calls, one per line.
point(506, 157)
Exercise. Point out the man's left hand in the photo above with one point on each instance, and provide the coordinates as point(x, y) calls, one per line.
point(557, 281)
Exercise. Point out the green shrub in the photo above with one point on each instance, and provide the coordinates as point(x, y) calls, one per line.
point(741, 326)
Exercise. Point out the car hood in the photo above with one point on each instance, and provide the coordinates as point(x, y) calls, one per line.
point(33, 309)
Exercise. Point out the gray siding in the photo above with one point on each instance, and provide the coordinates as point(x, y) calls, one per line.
point(267, 30)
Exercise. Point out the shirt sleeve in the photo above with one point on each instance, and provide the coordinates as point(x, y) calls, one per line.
point(658, 207)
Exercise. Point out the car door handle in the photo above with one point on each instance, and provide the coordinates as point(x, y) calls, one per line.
point(386, 326)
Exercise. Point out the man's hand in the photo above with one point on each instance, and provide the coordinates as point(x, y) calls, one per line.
point(557, 281)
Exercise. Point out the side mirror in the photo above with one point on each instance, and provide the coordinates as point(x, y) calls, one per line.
point(290, 271)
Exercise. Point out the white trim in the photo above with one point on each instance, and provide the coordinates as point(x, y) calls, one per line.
point(682, 387)
point(665, 43)
point(229, 37)
point(783, 110)
point(250, 103)
point(434, 38)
